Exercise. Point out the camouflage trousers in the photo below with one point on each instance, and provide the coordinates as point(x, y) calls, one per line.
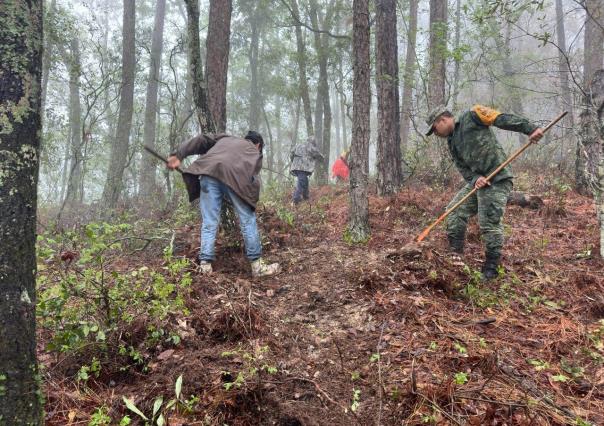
point(489, 203)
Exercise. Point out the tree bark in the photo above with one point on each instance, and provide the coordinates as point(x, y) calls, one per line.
point(509, 72)
point(217, 59)
point(438, 53)
point(301, 59)
point(336, 122)
point(457, 58)
point(594, 40)
point(148, 166)
point(47, 55)
point(563, 71)
point(200, 95)
point(409, 75)
point(593, 61)
point(323, 132)
point(591, 136)
point(358, 226)
point(74, 184)
point(20, 129)
point(119, 149)
point(386, 75)
point(344, 127)
point(253, 52)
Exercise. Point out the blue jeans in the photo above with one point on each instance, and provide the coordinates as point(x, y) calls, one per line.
point(301, 191)
point(210, 203)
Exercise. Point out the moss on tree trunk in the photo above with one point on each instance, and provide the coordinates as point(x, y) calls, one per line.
point(20, 127)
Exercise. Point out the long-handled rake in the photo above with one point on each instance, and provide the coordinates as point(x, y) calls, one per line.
point(512, 157)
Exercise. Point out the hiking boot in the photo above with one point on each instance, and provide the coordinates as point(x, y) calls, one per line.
point(456, 246)
point(262, 269)
point(204, 267)
point(489, 267)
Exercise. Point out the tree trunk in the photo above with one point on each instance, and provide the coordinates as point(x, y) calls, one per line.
point(336, 122)
point(509, 72)
point(20, 129)
point(270, 149)
point(344, 127)
point(148, 166)
point(457, 57)
point(200, 95)
point(564, 71)
point(358, 226)
point(591, 136)
point(593, 61)
point(301, 58)
point(254, 48)
point(47, 55)
point(409, 76)
point(438, 53)
point(594, 40)
point(74, 183)
point(437, 77)
point(323, 133)
point(386, 76)
point(217, 59)
point(119, 149)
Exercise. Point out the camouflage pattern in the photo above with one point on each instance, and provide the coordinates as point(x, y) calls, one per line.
point(473, 146)
point(304, 156)
point(489, 203)
point(476, 152)
point(433, 115)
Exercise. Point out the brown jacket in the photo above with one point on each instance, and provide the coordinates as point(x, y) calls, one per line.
point(233, 161)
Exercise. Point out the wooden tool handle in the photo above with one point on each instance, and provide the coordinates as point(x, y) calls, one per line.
point(515, 155)
point(159, 156)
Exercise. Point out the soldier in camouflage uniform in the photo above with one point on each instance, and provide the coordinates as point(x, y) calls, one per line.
point(476, 153)
point(303, 159)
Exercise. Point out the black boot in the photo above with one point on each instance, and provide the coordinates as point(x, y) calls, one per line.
point(489, 267)
point(456, 245)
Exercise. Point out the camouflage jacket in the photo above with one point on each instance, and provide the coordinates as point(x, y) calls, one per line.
point(474, 147)
point(303, 157)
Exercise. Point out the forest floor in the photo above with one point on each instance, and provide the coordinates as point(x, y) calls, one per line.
point(372, 333)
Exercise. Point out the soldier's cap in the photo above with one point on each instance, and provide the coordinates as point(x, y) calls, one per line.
point(433, 115)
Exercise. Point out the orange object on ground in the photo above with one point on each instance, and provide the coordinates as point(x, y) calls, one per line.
point(340, 169)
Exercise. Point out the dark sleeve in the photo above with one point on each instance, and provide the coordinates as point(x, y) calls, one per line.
point(468, 175)
point(197, 145)
point(317, 154)
point(515, 123)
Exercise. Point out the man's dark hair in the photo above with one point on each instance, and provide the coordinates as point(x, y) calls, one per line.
point(256, 138)
point(446, 114)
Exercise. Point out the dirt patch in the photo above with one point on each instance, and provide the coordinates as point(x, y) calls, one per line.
point(376, 333)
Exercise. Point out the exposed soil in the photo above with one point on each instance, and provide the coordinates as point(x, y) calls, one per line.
point(404, 327)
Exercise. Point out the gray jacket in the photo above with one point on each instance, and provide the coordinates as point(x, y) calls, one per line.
point(304, 156)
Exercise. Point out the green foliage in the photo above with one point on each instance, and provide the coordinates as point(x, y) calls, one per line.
point(254, 364)
point(354, 237)
point(461, 378)
point(100, 417)
point(160, 411)
point(575, 371)
point(2, 386)
point(485, 295)
point(84, 301)
point(461, 349)
point(539, 364)
point(285, 215)
point(356, 400)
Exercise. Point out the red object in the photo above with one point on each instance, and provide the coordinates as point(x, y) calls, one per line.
point(340, 169)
